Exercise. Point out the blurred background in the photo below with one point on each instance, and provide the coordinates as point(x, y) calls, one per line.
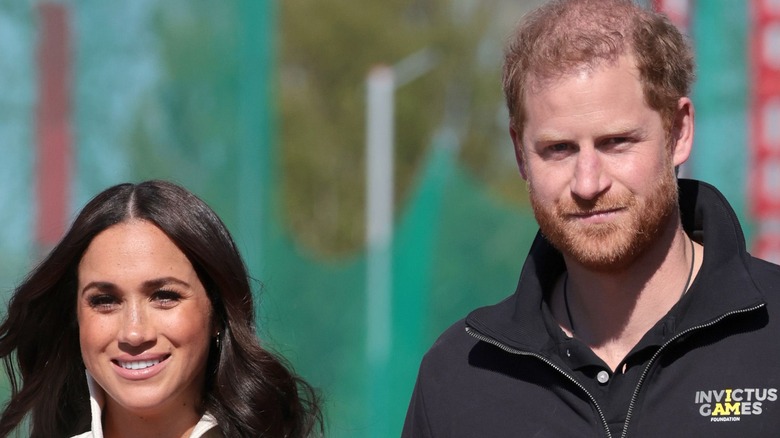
point(358, 151)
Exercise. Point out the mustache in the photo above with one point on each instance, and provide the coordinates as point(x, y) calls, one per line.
point(577, 206)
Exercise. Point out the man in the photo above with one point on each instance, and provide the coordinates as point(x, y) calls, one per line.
point(638, 313)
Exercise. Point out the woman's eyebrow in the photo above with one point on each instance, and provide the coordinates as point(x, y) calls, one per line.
point(104, 286)
point(156, 283)
point(164, 281)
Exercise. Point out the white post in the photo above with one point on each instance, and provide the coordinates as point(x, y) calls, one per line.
point(379, 212)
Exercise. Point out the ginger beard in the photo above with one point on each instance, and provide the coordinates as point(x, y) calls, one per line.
point(614, 245)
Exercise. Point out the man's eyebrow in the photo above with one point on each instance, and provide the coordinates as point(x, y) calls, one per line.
point(551, 137)
point(610, 131)
point(632, 131)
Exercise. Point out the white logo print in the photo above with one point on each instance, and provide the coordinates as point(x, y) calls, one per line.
point(733, 404)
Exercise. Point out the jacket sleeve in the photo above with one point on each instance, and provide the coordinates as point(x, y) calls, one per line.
point(416, 424)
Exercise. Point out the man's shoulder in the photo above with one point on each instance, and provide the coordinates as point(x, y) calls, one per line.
point(764, 266)
point(453, 341)
point(766, 275)
point(455, 344)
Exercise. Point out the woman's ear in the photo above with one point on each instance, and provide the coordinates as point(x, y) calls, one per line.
point(216, 325)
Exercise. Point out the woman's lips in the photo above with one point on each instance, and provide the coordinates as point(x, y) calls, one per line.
point(138, 369)
point(138, 365)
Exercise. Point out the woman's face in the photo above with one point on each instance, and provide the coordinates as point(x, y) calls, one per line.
point(144, 320)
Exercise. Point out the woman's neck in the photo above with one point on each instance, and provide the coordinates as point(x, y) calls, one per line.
point(121, 423)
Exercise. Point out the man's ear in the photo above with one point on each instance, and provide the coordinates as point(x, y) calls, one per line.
point(519, 157)
point(682, 131)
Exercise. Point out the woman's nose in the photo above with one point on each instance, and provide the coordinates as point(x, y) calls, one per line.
point(137, 328)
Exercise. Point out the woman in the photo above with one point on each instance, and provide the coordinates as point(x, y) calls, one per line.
point(147, 293)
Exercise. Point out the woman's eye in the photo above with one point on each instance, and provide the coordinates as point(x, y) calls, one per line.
point(166, 298)
point(103, 302)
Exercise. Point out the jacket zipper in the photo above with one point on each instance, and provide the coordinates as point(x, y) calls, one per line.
point(658, 352)
point(511, 350)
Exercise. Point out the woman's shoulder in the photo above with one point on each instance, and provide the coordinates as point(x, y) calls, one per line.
point(212, 433)
point(206, 428)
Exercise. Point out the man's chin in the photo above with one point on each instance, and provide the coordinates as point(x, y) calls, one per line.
point(599, 249)
point(604, 262)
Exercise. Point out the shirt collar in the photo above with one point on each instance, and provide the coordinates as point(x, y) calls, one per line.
point(97, 401)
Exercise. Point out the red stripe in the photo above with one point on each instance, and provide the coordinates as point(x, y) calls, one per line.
point(765, 127)
point(53, 159)
point(678, 11)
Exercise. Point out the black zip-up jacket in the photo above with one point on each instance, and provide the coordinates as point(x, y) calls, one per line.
point(709, 368)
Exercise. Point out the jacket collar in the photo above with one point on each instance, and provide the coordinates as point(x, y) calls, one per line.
point(723, 284)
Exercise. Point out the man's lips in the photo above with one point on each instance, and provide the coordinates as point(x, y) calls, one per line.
point(594, 214)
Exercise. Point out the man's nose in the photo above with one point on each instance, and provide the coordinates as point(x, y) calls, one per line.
point(589, 179)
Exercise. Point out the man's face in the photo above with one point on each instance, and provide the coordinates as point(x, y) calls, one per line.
point(599, 165)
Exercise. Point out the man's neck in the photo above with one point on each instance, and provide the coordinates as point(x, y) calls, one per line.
point(612, 311)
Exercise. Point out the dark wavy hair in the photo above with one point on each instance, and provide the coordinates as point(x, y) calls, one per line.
point(563, 36)
point(250, 391)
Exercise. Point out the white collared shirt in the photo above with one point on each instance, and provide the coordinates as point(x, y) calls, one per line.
point(206, 427)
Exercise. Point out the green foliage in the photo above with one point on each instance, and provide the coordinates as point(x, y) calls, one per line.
point(186, 130)
point(327, 49)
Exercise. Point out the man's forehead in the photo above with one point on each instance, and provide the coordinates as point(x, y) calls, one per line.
point(538, 80)
point(607, 99)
